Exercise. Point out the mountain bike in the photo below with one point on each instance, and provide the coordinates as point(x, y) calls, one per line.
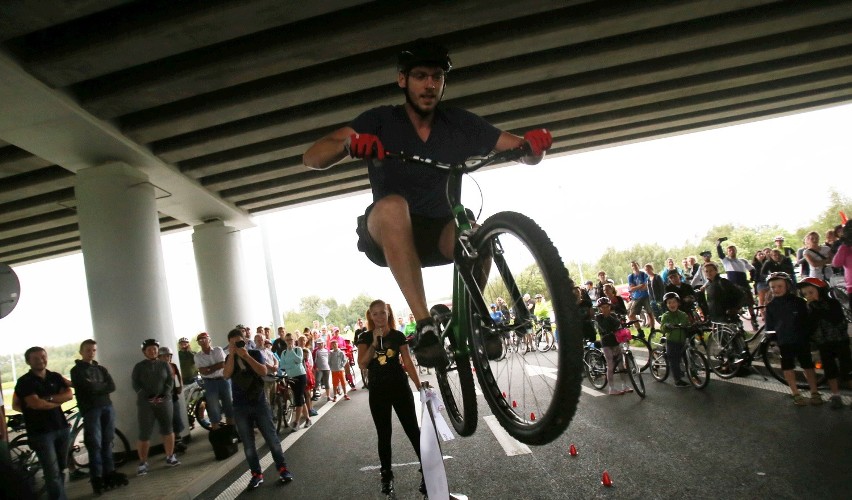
point(543, 338)
point(594, 364)
point(693, 362)
point(641, 342)
point(534, 397)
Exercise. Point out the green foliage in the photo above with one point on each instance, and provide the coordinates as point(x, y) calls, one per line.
point(339, 314)
point(59, 359)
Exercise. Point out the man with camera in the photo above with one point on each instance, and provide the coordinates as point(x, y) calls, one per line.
point(245, 369)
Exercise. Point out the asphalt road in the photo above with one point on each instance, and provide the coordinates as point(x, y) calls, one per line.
point(736, 439)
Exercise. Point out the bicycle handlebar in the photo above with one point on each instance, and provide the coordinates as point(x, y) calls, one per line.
point(471, 164)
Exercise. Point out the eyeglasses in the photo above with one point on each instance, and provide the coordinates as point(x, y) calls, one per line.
point(421, 76)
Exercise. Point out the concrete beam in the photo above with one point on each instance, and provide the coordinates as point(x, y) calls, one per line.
point(48, 124)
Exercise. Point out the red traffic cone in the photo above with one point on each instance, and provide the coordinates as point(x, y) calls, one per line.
point(504, 394)
point(532, 417)
point(514, 404)
point(606, 480)
point(572, 450)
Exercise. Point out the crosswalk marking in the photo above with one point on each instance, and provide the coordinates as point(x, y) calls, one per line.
point(510, 445)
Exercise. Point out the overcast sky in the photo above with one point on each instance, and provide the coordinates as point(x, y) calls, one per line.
point(746, 174)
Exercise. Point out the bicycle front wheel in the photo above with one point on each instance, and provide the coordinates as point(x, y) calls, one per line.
point(534, 397)
point(697, 369)
point(721, 352)
point(79, 455)
point(642, 345)
point(659, 365)
point(635, 374)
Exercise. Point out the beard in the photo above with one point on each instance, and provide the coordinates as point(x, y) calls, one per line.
point(423, 113)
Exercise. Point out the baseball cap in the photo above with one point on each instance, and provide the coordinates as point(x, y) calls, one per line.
point(202, 335)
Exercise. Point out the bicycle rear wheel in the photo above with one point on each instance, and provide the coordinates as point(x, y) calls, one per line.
point(534, 397)
point(645, 348)
point(456, 379)
point(635, 374)
point(24, 460)
point(596, 368)
point(771, 354)
point(697, 369)
point(79, 455)
point(720, 352)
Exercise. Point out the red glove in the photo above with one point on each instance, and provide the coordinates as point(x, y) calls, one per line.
point(539, 140)
point(362, 146)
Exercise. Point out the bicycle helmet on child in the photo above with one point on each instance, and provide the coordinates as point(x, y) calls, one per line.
point(821, 286)
point(671, 295)
point(149, 343)
point(603, 301)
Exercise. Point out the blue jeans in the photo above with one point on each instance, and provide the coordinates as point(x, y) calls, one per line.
point(99, 429)
point(50, 448)
point(258, 415)
point(218, 395)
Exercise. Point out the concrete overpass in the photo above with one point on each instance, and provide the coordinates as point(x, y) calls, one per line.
point(121, 120)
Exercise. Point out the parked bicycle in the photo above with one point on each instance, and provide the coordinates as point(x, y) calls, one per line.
point(533, 397)
point(26, 461)
point(595, 366)
point(283, 402)
point(693, 362)
point(196, 404)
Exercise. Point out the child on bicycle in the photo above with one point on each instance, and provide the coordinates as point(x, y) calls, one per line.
point(608, 323)
point(671, 324)
point(826, 315)
point(787, 316)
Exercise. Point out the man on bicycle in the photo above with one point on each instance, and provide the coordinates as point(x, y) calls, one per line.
point(409, 224)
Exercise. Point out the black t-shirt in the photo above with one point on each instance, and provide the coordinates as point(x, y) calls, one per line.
point(455, 136)
point(385, 365)
point(41, 421)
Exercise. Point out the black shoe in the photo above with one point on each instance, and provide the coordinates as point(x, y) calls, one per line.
point(180, 447)
point(97, 486)
point(387, 481)
point(115, 479)
point(681, 383)
point(427, 345)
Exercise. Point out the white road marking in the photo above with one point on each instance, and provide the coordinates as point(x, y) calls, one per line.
point(590, 391)
point(374, 467)
point(510, 445)
point(543, 371)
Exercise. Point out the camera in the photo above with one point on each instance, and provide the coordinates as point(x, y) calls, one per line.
point(240, 344)
point(723, 238)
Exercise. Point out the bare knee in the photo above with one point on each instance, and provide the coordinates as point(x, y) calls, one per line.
point(388, 215)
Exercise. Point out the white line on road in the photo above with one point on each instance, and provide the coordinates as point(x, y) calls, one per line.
point(374, 467)
point(510, 445)
point(590, 391)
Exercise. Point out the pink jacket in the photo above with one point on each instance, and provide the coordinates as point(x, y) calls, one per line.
point(843, 258)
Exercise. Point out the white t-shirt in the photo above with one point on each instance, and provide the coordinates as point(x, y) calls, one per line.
point(217, 355)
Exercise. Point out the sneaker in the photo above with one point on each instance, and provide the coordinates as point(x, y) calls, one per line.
point(799, 400)
point(835, 402)
point(308, 423)
point(284, 475)
point(313, 412)
point(180, 447)
point(427, 345)
point(172, 460)
point(255, 481)
point(142, 469)
point(681, 383)
point(346, 397)
point(816, 399)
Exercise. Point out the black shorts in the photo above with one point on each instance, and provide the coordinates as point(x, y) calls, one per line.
point(790, 353)
point(427, 234)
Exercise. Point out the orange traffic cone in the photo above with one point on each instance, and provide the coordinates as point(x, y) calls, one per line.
point(514, 404)
point(606, 480)
point(532, 417)
point(572, 450)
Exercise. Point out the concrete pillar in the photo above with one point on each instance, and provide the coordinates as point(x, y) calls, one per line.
point(218, 258)
point(125, 275)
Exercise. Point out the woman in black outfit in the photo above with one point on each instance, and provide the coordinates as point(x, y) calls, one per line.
point(383, 351)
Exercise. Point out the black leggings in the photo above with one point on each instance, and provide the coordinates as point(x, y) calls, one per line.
point(396, 395)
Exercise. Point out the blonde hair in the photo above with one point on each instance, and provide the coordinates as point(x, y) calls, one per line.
point(391, 319)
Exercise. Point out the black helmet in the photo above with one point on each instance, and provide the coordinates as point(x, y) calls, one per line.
point(671, 295)
point(149, 343)
point(422, 52)
point(603, 301)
